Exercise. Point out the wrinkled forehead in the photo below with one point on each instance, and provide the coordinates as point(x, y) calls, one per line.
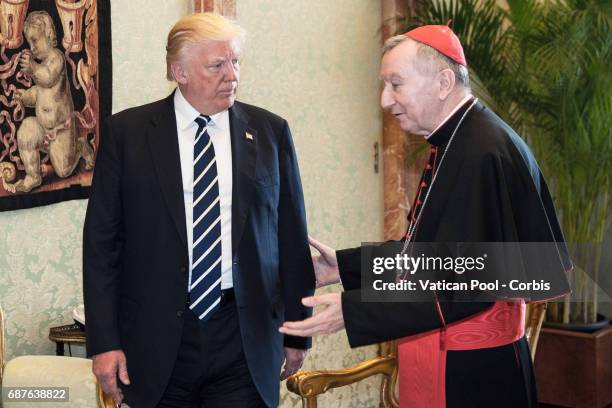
point(397, 63)
point(216, 49)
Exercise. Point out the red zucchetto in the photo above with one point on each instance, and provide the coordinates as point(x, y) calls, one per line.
point(442, 38)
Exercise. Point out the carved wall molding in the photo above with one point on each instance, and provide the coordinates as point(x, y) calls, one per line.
point(402, 170)
point(226, 8)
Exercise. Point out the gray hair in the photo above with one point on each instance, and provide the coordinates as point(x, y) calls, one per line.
point(431, 61)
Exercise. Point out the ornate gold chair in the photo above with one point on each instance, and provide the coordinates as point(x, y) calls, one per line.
point(51, 371)
point(308, 385)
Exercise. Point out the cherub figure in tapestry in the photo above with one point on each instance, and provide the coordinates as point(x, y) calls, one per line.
point(53, 129)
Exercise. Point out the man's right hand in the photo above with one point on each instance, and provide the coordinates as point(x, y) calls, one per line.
point(325, 264)
point(107, 367)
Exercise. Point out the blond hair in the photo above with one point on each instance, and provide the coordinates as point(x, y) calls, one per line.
point(195, 28)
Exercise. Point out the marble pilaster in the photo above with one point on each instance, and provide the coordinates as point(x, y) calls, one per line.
point(402, 160)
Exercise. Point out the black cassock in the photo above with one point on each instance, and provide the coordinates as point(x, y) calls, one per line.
point(488, 188)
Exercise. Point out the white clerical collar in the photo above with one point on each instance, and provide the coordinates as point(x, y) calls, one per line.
point(450, 115)
point(186, 114)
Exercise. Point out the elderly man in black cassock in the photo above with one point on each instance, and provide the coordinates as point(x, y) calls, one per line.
point(481, 184)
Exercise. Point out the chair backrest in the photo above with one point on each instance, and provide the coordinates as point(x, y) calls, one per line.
point(103, 400)
point(534, 317)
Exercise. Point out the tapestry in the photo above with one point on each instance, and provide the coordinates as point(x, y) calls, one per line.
point(55, 71)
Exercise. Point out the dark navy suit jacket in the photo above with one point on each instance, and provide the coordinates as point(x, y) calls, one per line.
point(135, 256)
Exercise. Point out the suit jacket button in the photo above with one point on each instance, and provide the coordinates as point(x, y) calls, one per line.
point(179, 314)
point(183, 269)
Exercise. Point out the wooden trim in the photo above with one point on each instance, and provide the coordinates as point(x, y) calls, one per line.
point(569, 333)
point(226, 8)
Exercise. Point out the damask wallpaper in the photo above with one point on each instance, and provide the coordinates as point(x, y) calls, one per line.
point(315, 62)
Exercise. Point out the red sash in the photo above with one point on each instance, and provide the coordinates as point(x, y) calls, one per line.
point(422, 357)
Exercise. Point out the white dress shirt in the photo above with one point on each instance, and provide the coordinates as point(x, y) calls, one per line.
point(219, 131)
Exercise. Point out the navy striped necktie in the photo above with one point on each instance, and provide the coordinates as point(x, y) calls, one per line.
point(205, 280)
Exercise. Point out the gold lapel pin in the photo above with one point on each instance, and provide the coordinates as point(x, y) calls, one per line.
point(248, 136)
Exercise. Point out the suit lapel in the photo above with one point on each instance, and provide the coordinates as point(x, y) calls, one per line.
point(163, 142)
point(244, 155)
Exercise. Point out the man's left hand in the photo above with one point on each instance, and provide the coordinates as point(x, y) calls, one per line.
point(328, 321)
point(293, 361)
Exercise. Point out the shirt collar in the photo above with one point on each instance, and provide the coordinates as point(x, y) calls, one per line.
point(186, 114)
point(440, 136)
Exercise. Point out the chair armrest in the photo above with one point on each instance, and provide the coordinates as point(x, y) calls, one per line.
point(104, 400)
point(312, 383)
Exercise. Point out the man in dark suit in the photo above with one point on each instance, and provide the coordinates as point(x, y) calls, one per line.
point(195, 241)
